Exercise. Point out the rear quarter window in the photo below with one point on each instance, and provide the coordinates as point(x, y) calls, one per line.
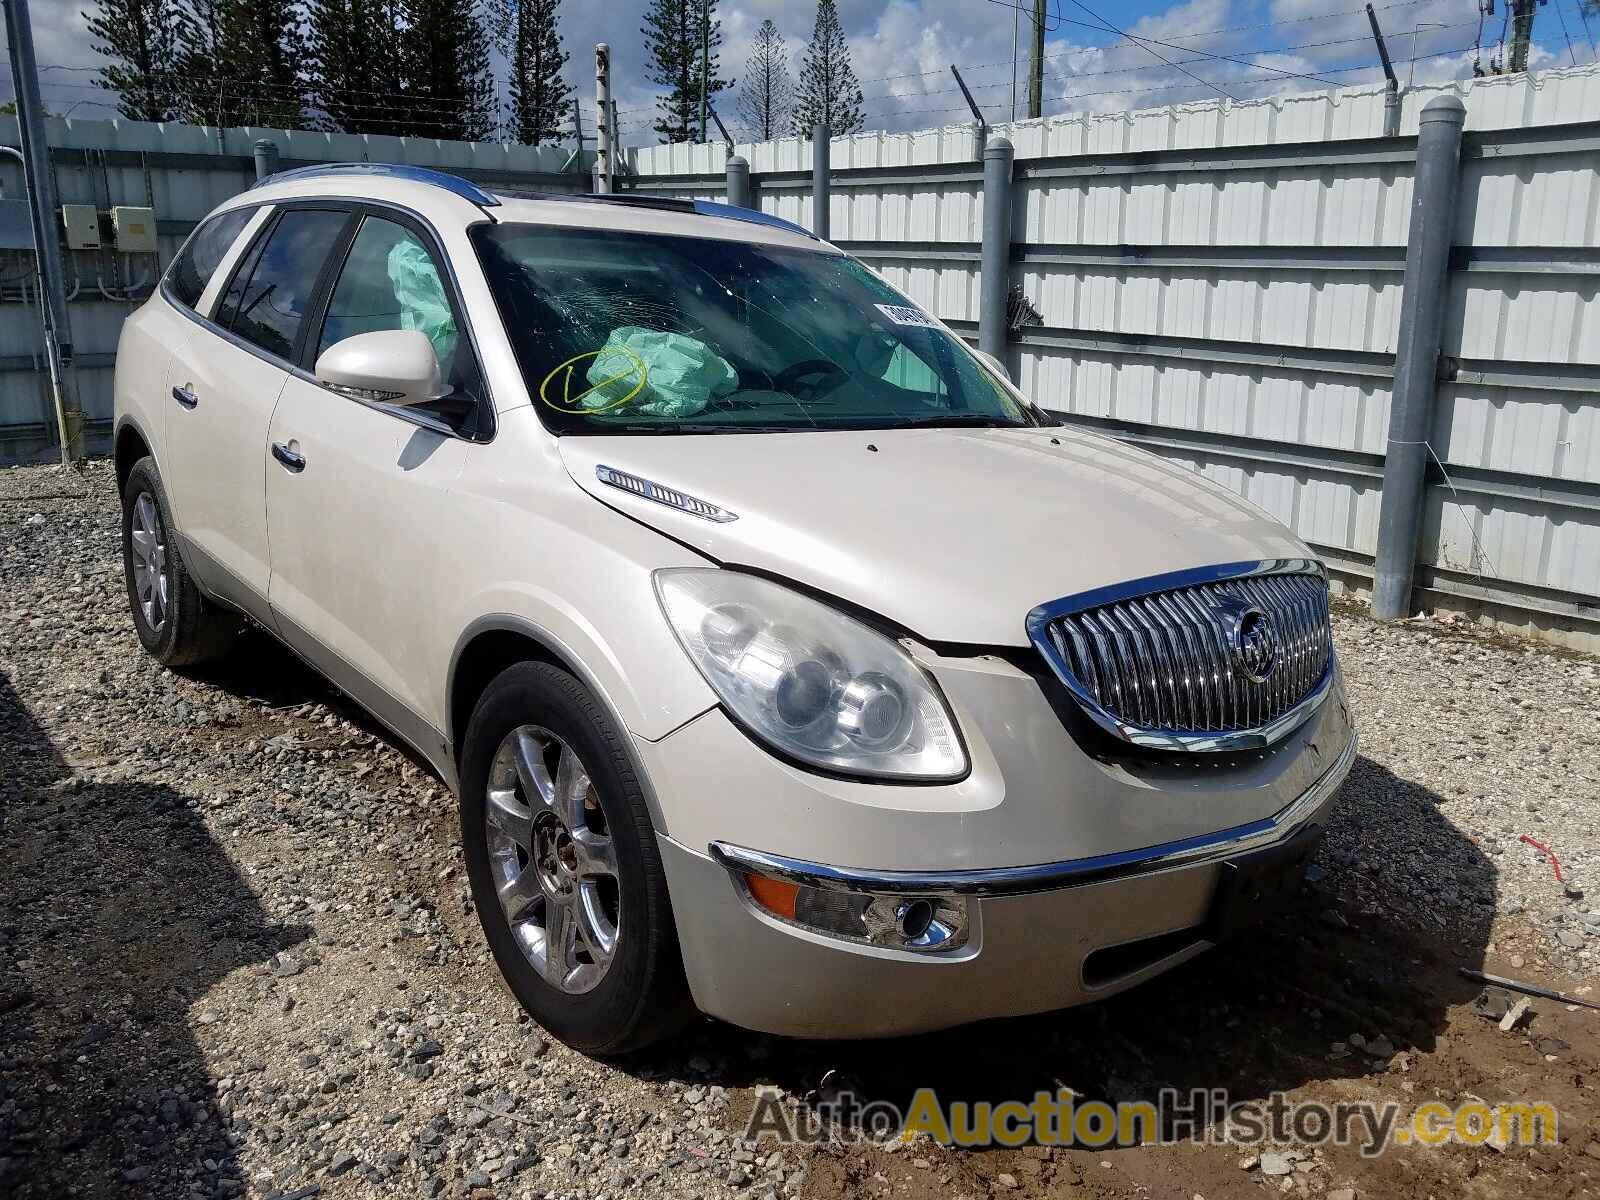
point(200, 256)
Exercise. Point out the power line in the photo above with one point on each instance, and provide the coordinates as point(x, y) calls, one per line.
point(1567, 35)
point(1121, 33)
point(1028, 12)
point(1130, 41)
point(1198, 56)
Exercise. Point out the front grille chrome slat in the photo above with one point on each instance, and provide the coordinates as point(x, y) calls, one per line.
point(1222, 659)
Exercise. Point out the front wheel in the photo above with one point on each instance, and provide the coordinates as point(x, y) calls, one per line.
point(565, 873)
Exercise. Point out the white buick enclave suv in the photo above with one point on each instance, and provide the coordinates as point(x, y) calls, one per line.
point(790, 664)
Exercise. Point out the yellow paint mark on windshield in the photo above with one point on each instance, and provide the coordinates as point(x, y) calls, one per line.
point(574, 404)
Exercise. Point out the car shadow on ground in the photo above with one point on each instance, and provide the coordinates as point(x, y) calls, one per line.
point(261, 668)
point(1359, 952)
point(123, 911)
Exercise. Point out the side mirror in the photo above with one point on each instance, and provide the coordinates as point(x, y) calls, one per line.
point(397, 366)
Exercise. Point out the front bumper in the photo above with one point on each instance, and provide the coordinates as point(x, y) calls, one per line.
point(1039, 934)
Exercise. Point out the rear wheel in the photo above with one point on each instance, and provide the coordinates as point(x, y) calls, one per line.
point(565, 872)
point(175, 623)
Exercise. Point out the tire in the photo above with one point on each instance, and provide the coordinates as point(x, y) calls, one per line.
point(535, 713)
point(179, 628)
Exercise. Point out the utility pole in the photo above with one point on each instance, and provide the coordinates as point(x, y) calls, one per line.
point(42, 212)
point(1036, 70)
point(1521, 32)
point(705, 63)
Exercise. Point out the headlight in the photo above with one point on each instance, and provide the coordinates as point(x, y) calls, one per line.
point(815, 684)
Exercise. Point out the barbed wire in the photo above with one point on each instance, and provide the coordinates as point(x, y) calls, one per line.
point(1156, 66)
point(1187, 37)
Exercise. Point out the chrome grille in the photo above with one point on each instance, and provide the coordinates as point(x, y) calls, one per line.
point(1168, 662)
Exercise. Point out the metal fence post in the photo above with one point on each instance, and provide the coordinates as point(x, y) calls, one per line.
point(603, 169)
point(56, 326)
point(266, 152)
point(1416, 363)
point(995, 271)
point(820, 139)
point(738, 181)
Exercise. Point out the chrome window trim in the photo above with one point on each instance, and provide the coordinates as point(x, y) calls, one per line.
point(1257, 738)
point(399, 412)
point(1076, 872)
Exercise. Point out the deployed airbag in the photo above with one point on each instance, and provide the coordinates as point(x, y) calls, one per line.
point(423, 303)
point(655, 372)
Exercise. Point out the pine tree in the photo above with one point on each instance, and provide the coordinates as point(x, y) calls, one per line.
point(767, 96)
point(140, 39)
point(829, 91)
point(539, 95)
point(202, 95)
point(259, 62)
point(445, 61)
point(354, 64)
point(674, 32)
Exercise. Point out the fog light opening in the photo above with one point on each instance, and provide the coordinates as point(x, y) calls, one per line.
point(924, 924)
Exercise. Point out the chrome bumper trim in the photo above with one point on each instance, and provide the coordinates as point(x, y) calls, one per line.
point(1043, 877)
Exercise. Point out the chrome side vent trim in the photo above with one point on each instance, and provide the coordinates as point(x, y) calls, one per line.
point(647, 489)
point(1224, 658)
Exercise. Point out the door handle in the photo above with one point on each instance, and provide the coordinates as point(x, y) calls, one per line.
point(295, 462)
point(185, 397)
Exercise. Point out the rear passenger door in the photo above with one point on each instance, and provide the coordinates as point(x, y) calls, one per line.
point(359, 504)
point(225, 381)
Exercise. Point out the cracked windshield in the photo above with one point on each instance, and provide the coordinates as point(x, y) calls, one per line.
point(646, 333)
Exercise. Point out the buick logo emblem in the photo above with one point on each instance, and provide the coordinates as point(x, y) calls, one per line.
point(1255, 644)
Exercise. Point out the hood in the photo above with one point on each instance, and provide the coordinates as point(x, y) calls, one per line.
point(954, 534)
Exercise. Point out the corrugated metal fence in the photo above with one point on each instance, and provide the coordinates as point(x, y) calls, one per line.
point(182, 172)
point(1220, 283)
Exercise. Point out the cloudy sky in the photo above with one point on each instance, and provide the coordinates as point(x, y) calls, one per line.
point(1101, 56)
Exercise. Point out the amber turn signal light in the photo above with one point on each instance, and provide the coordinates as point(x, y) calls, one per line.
point(774, 895)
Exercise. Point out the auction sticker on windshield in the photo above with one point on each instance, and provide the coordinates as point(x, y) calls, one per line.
point(902, 314)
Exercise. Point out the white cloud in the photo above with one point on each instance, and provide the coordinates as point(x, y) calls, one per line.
point(902, 50)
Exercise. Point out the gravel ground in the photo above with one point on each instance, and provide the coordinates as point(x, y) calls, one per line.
point(237, 955)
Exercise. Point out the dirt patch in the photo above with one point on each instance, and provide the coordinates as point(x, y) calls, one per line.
point(237, 956)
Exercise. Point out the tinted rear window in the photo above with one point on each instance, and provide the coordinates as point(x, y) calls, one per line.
point(272, 303)
point(193, 268)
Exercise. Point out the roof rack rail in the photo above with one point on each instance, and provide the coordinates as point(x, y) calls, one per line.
point(441, 179)
point(732, 212)
point(704, 208)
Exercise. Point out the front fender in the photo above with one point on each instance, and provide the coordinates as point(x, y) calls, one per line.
point(650, 701)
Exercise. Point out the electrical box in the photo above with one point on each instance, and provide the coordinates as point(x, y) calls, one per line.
point(82, 222)
point(135, 229)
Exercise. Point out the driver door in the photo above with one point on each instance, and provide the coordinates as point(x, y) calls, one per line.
point(359, 495)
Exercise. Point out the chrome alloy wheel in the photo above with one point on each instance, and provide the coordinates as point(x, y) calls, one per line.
point(554, 865)
point(149, 562)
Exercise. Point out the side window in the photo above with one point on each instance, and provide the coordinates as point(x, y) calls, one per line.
point(267, 301)
point(195, 264)
point(392, 281)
